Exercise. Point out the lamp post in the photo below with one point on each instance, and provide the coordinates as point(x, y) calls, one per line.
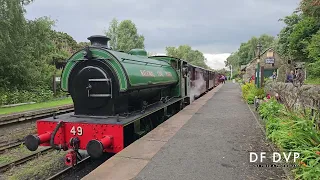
point(231, 71)
point(258, 64)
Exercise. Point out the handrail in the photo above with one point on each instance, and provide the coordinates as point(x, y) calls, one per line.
point(124, 59)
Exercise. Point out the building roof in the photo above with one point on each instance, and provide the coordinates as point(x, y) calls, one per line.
point(270, 48)
point(243, 67)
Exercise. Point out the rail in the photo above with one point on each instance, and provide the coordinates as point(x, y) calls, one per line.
point(22, 160)
point(33, 115)
point(11, 145)
point(68, 169)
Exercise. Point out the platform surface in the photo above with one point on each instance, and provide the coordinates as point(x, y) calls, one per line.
point(209, 139)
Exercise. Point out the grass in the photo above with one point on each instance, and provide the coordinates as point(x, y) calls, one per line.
point(36, 106)
point(312, 81)
point(15, 154)
point(39, 168)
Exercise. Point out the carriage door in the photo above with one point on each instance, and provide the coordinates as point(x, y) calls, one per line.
point(182, 79)
point(207, 79)
point(185, 79)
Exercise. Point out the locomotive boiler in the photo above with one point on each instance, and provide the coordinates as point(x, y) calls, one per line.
point(118, 97)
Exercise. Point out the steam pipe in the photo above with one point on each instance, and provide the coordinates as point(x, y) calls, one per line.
point(54, 134)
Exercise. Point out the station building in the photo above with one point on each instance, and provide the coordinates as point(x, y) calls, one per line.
point(270, 61)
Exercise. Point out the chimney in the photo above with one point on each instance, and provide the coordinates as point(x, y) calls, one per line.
point(99, 41)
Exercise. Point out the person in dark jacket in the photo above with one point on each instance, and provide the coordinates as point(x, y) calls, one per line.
point(290, 77)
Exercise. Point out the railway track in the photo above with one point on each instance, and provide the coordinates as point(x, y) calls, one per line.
point(81, 164)
point(23, 160)
point(33, 115)
point(10, 145)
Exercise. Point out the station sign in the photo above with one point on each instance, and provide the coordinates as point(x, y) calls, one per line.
point(58, 79)
point(269, 61)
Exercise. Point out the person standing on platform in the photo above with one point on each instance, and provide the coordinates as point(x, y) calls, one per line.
point(222, 79)
point(274, 76)
point(290, 77)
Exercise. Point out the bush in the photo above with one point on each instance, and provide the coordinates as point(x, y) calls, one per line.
point(294, 132)
point(246, 88)
point(312, 81)
point(249, 92)
point(21, 96)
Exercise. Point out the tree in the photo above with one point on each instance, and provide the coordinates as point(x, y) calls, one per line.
point(247, 50)
point(233, 60)
point(82, 45)
point(13, 30)
point(283, 42)
point(310, 8)
point(63, 46)
point(313, 49)
point(186, 53)
point(296, 35)
point(124, 36)
point(300, 37)
point(112, 33)
point(24, 48)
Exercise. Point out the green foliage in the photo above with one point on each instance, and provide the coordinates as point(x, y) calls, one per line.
point(269, 109)
point(250, 91)
point(239, 80)
point(29, 49)
point(283, 42)
point(112, 33)
point(82, 45)
point(185, 52)
point(233, 60)
point(247, 51)
point(293, 132)
point(39, 94)
point(300, 38)
point(310, 7)
point(312, 81)
point(246, 88)
point(313, 47)
point(23, 48)
point(124, 36)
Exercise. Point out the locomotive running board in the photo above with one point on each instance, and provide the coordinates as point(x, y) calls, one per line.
point(71, 117)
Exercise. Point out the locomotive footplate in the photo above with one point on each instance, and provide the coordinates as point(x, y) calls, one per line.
point(94, 134)
point(121, 120)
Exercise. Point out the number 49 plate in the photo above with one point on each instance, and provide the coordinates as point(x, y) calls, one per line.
point(77, 131)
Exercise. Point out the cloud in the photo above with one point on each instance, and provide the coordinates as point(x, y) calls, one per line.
point(211, 26)
point(216, 61)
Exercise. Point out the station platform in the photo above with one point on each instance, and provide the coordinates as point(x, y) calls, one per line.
point(209, 139)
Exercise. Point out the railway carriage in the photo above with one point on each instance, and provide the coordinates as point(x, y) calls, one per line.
point(118, 97)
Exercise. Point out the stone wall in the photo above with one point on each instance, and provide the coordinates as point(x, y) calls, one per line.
point(295, 97)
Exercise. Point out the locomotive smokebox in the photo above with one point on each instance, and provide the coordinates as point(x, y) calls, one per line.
point(91, 89)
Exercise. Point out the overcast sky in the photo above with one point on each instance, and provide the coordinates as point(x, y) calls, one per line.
point(213, 27)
